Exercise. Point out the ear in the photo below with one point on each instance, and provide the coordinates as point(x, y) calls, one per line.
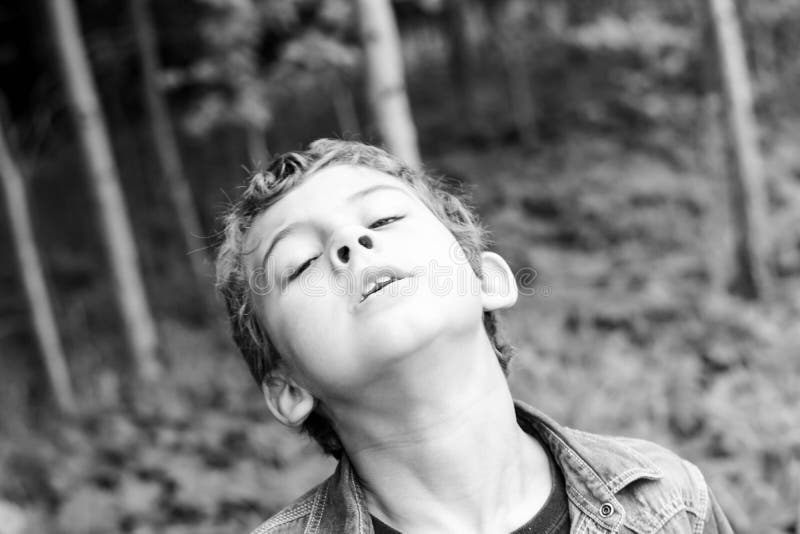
point(498, 285)
point(290, 403)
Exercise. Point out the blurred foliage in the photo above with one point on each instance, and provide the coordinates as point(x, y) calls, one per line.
point(620, 209)
point(254, 50)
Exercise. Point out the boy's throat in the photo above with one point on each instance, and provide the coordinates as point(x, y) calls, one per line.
point(475, 468)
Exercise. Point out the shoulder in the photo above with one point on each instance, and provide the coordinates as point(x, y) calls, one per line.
point(622, 460)
point(616, 461)
point(682, 480)
point(295, 516)
point(654, 484)
point(657, 490)
point(676, 470)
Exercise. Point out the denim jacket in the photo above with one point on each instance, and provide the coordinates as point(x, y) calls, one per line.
point(614, 485)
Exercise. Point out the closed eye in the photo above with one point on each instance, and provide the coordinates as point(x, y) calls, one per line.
point(297, 271)
point(384, 221)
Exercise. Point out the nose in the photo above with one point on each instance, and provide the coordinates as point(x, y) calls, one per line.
point(348, 242)
point(343, 252)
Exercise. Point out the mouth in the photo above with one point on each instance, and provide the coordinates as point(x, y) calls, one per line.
point(377, 283)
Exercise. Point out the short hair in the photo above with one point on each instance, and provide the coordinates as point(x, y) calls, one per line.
point(287, 171)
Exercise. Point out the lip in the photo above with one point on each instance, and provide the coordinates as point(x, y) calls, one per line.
point(367, 295)
point(363, 296)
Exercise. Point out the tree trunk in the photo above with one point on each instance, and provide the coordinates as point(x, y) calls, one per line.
point(129, 290)
point(344, 107)
point(509, 40)
point(747, 187)
point(30, 268)
point(386, 88)
point(456, 18)
point(256, 143)
point(168, 154)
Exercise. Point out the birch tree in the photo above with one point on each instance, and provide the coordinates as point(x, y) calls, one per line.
point(386, 87)
point(746, 172)
point(114, 223)
point(30, 268)
point(167, 152)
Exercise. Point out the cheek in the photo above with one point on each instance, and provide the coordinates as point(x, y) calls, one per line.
point(298, 322)
point(450, 268)
point(308, 331)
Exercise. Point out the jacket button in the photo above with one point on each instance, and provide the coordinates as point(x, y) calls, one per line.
point(606, 510)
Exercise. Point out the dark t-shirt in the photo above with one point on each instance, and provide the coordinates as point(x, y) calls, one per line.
point(552, 518)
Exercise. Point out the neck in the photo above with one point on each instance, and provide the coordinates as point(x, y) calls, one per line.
point(437, 446)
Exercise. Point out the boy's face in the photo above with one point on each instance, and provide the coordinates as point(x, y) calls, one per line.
point(317, 255)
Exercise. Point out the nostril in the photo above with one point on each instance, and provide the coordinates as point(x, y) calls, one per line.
point(365, 241)
point(344, 254)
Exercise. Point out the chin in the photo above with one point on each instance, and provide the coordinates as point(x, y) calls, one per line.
point(414, 329)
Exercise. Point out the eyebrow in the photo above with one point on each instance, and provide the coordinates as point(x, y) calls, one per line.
point(374, 189)
point(289, 229)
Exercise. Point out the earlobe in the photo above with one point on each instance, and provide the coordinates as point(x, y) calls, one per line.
point(290, 403)
point(498, 285)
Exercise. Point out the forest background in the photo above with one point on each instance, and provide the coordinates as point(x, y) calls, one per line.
point(605, 144)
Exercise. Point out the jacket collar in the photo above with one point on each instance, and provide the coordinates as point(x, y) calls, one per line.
point(595, 468)
point(340, 505)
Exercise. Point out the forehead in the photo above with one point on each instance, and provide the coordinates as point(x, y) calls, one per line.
point(324, 192)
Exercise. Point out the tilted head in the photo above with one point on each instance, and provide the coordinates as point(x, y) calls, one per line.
point(309, 244)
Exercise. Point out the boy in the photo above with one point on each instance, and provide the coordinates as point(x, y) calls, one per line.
point(363, 300)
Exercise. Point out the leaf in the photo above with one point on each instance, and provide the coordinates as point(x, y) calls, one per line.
point(137, 497)
point(13, 519)
point(88, 511)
